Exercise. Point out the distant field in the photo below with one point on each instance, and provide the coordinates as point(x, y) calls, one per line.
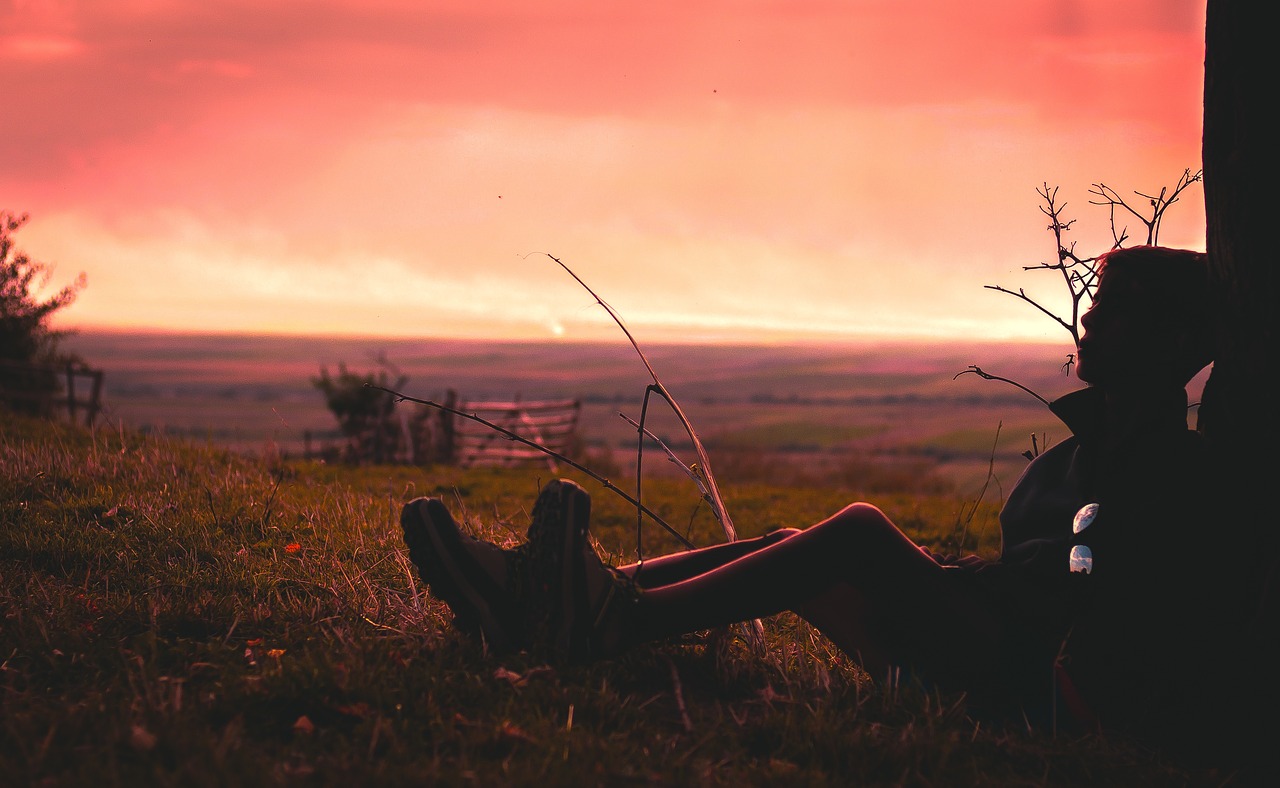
point(812, 404)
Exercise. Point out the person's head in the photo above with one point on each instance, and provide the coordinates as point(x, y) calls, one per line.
point(1150, 322)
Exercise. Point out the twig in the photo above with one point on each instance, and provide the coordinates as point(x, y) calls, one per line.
point(988, 376)
point(608, 485)
point(753, 630)
point(640, 431)
point(1158, 203)
point(967, 517)
point(717, 502)
point(1022, 294)
point(671, 456)
point(679, 693)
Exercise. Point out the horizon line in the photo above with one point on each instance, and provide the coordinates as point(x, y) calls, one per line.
point(664, 337)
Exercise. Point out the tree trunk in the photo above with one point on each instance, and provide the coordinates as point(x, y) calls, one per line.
point(1238, 413)
point(1239, 171)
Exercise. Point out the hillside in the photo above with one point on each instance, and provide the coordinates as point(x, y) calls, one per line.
point(175, 614)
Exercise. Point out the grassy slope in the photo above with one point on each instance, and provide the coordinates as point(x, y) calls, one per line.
point(172, 614)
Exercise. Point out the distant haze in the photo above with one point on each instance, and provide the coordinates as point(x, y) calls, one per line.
point(896, 400)
point(718, 171)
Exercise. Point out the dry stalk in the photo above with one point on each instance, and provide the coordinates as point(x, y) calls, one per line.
point(678, 691)
point(692, 473)
point(976, 370)
point(966, 517)
point(712, 494)
point(701, 473)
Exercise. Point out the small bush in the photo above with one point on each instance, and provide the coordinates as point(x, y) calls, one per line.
point(27, 343)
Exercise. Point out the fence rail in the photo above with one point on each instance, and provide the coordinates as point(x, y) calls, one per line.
point(552, 424)
point(429, 435)
point(20, 387)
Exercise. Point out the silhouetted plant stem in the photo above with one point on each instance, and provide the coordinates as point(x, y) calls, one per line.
point(704, 461)
point(988, 376)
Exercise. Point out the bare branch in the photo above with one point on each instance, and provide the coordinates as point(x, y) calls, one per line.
point(1021, 294)
point(1152, 214)
point(671, 455)
point(976, 370)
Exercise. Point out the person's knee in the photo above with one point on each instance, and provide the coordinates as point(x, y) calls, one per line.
point(859, 525)
point(862, 515)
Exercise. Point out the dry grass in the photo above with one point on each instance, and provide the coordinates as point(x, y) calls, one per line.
point(173, 615)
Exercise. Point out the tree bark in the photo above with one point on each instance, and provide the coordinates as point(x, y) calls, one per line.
point(1239, 169)
point(1238, 413)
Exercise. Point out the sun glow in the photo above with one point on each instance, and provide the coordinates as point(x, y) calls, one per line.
point(722, 171)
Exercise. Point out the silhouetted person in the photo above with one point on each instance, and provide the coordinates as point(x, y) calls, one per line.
point(1100, 601)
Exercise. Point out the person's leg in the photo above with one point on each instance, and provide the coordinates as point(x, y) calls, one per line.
point(672, 568)
point(855, 577)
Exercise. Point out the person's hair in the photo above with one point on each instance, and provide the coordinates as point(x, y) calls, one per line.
point(1175, 287)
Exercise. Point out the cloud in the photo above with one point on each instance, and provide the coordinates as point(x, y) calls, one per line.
point(858, 165)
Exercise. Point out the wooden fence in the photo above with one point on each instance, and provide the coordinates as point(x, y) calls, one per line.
point(52, 389)
point(427, 435)
point(549, 423)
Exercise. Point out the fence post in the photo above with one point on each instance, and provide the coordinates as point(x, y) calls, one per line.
point(446, 427)
point(71, 393)
point(95, 398)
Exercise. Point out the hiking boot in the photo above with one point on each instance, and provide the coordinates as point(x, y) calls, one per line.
point(577, 604)
point(476, 579)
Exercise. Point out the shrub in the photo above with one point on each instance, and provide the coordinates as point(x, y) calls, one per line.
point(28, 345)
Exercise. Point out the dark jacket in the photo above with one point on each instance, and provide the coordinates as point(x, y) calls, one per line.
point(1137, 633)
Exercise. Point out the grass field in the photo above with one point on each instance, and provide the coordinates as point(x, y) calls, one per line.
point(816, 404)
point(175, 614)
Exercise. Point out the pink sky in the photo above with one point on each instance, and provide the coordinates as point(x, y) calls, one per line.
point(713, 169)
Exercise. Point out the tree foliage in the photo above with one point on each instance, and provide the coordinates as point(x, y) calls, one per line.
point(364, 413)
point(25, 334)
point(27, 342)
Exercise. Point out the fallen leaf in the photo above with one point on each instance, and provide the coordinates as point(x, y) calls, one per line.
point(460, 719)
point(520, 679)
point(141, 739)
point(359, 709)
point(509, 731)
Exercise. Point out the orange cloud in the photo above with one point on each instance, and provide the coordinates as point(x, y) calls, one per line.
point(856, 164)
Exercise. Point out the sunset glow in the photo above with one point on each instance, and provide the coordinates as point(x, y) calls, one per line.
point(727, 170)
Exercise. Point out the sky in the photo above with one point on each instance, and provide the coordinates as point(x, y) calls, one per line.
point(714, 170)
